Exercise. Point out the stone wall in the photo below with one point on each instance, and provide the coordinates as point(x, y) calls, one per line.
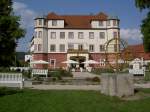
point(117, 84)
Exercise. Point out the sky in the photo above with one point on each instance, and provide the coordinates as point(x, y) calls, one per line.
point(130, 17)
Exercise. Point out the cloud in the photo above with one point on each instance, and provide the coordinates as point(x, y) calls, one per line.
point(27, 21)
point(132, 35)
point(27, 15)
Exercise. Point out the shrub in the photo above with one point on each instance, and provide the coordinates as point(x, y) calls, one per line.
point(96, 79)
point(59, 73)
point(26, 74)
point(98, 71)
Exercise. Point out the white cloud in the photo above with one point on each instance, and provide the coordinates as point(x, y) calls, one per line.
point(27, 21)
point(27, 15)
point(132, 35)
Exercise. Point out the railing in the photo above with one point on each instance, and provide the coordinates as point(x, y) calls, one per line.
point(6, 78)
point(77, 51)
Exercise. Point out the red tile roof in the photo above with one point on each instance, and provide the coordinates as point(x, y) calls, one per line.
point(78, 21)
point(138, 51)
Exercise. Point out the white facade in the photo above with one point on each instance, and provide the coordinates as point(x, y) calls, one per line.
point(47, 35)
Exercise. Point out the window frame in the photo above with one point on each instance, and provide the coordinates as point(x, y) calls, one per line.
point(80, 35)
point(39, 47)
point(100, 23)
point(40, 22)
point(39, 34)
point(51, 48)
point(60, 48)
point(100, 36)
point(71, 37)
point(93, 48)
point(71, 45)
point(102, 48)
point(50, 62)
point(62, 35)
point(91, 35)
point(54, 22)
point(52, 34)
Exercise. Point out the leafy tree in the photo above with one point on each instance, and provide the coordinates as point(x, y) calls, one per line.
point(142, 4)
point(10, 32)
point(145, 27)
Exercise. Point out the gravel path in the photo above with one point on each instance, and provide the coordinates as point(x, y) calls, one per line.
point(84, 75)
point(67, 87)
point(146, 85)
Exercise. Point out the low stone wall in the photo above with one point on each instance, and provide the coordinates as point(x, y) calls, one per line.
point(117, 84)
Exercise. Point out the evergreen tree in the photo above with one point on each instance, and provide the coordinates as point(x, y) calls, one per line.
point(145, 27)
point(10, 32)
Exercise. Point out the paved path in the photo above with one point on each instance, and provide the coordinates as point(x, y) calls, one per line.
point(84, 75)
point(67, 87)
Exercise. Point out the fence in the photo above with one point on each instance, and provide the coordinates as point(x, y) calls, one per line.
point(11, 78)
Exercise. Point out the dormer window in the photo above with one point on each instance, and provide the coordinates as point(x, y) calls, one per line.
point(100, 23)
point(108, 23)
point(54, 22)
point(114, 23)
point(40, 21)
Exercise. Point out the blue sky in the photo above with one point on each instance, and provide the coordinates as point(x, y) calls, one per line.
point(130, 17)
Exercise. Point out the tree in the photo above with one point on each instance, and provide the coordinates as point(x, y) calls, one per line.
point(145, 27)
point(142, 4)
point(10, 33)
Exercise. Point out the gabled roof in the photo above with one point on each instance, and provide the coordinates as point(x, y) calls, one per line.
point(138, 51)
point(77, 21)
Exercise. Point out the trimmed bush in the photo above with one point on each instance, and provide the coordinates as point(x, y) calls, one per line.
point(96, 79)
point(59, 73)
point(98, 71)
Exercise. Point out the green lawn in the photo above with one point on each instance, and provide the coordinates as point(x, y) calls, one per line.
point(69, 101)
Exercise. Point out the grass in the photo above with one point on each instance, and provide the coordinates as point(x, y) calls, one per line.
point(147, 76)
point(69, 101)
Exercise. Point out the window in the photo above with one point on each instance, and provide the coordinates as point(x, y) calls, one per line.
point(35, 22)
point(62, 35)
point(101, 23)
point(70, 35)
point(80, 35)
point(62, 47)
point(35, 34)
point(108, 23)
point(39, 47)
point(114, 22)
point(91, 35)
point(52, 48)
point(40, 34)
point(102, 35)
point(54, 22)
point(102, 62)
point(53, 35)
point(44, 22)
point(70, 46)
point(80, 47)
point(91, 48)
point(115, 34)
point(40, 21)
point(35, 47)
point(102, 48)
point(53, 63)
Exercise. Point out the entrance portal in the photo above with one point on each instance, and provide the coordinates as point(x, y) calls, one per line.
point(79, 59)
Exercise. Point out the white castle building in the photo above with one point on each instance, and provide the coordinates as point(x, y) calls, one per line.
point(77, 37)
